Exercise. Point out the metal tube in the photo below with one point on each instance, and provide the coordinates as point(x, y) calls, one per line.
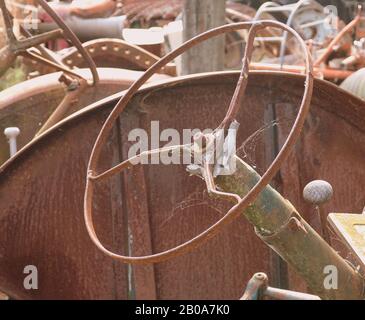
point(258, 289)
point(281, 294)
point(89, 29)
point(281, 227)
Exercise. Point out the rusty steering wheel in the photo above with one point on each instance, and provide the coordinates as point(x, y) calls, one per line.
point(17, 47)
point(74, 82)
point(242, 203)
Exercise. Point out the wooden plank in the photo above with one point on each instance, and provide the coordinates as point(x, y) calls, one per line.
point(41, 210)
point(138, 218)
point(200, 16)
point(119, 220)
point(279, 267)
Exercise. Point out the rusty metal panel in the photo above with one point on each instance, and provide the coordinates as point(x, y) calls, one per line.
point(41, 205)
point(45, 183)
point(138, 214)
point(179, 206)
point(44, 163)
point(28, 104)
point(331, 148)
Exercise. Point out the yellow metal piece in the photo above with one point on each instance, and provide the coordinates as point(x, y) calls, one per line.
point(351, 229)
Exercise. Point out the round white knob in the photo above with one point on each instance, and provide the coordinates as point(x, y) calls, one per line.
point(12, 132)
point(317, 192)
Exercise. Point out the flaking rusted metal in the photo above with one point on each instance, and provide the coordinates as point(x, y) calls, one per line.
point(39, 165)
point(29, 104)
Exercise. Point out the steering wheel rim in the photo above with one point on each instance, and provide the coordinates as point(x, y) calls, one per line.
point(253, 193)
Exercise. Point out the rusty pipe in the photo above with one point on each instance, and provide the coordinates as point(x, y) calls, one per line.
point(258, 289)
point(89, 29)
point(319, 72)
point(9, 52)
point(338, 38)
point(281, 227)
point(74, 89)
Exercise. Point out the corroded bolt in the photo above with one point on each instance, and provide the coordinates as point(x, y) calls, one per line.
point(72, 84)
point(317, 192)
point(11, 133)
point(294, 224)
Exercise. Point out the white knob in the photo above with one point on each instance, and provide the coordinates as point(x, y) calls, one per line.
point(12, 133)
point(318, 192)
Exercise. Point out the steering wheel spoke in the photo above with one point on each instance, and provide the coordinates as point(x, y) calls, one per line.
point(58, 67)
point(27, 43)
point(134, 161)
point(211, 186)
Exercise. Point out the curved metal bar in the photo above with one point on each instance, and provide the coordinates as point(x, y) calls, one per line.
point(58, 67)
point(265, 5)
point(293, 11)
point(236, 210)
point(129, 162)
point(353, 24)
point(289, 22)
point(243, 79)
point(72, 37)
point(7, 22)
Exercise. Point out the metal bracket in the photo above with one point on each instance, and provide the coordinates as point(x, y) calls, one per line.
point(226, 161)
point(216, 149)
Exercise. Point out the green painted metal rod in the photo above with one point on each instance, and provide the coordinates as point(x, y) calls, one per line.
point(282, 228)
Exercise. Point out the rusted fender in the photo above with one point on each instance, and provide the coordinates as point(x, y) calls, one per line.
point(42, 188)
point(27, 105)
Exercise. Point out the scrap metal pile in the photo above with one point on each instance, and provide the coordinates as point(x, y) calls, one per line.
point(98, 222)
